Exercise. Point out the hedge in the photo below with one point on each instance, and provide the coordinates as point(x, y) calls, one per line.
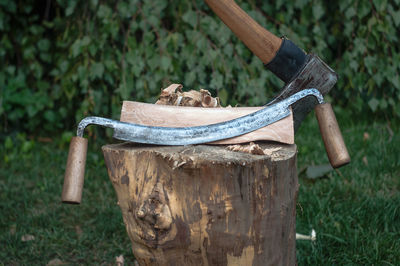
point(63, 60)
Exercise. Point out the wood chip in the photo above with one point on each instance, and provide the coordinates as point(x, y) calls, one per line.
point(253, 148)
point(26, 238)
point(119, 260)
point(55, 261)
point(272, 151)
point(312, 237)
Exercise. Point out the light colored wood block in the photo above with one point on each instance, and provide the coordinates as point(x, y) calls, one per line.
point(181, 116)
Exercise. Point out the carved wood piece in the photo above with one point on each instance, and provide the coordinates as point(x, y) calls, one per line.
point(182, 116)
point(206, 205)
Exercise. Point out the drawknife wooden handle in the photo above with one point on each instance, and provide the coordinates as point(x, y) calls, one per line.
point(260, 41)
point(331, 135)
point(75, 171)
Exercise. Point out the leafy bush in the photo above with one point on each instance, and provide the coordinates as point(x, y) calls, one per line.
point(68, 59)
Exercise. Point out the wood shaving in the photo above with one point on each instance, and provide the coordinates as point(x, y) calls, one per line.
point(26, 238)
point(173, 95)
point(253, 148)
point(312, 237)
point(272, 151)
point(55, 262)
point(119, 260)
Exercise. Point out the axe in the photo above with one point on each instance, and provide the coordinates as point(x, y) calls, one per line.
point(282, 57)
point(297, 69)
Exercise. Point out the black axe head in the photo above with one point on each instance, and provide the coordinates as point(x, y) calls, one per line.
point(300, 71)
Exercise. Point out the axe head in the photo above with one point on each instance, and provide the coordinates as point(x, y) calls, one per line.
point(314, 74)
point(300, 71)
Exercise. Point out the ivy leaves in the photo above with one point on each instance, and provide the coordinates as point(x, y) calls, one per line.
point(83, 58)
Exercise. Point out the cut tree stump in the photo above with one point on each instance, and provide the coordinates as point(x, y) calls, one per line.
point(206, 205)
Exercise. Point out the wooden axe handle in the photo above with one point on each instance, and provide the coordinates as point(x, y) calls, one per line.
point(260, 41)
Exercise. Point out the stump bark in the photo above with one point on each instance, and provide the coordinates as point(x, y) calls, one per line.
point(206, 205)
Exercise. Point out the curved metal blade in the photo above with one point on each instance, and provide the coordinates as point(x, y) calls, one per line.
point(199, 134)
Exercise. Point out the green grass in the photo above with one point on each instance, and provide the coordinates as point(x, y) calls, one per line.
point(90, 233)
point(355, 210)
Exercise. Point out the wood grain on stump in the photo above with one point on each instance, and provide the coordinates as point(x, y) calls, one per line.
point(206, 205)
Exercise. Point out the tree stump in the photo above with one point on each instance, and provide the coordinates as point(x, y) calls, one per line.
point(206, 205)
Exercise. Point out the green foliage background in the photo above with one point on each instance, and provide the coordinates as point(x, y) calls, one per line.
point(63, 60)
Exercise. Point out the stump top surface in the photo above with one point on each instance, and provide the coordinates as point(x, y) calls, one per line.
point(217, 153)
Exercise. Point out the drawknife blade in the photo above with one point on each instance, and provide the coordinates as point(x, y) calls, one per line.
point(200, 134)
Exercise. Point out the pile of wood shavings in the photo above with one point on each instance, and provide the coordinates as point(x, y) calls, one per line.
point(173, 95)
point(253, 148)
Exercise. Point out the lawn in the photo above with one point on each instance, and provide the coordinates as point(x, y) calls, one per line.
point(354, 210)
